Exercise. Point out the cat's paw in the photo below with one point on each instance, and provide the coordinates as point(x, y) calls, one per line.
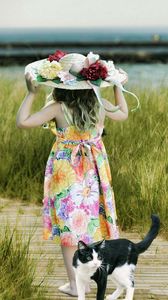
point(110, 297)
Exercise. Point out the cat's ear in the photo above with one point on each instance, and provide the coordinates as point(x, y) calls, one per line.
point(101, 244)
point(81, 245)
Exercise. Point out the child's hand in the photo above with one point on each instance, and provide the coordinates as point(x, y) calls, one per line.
point(30, 86)
point(123, 72)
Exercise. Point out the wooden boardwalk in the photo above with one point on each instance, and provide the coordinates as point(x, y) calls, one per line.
point(151, 272)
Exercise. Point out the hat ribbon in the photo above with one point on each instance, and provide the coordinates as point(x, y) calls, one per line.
point(117, 107)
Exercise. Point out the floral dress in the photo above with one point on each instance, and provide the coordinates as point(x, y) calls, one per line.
point(78, 199)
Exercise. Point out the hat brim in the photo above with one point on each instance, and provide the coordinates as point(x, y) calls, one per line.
point(33, 67)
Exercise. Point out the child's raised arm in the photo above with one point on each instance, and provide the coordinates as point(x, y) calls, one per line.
point(122, 113)
point(24, 117)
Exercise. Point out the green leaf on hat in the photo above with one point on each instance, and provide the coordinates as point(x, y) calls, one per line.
point(57, 80)
point(78, 76)
point(40, 78)
point(96, 82)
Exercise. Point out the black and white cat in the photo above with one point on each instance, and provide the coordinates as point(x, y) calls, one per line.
point(114, 258)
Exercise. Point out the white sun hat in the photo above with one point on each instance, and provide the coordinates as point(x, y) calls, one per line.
point(75, 71)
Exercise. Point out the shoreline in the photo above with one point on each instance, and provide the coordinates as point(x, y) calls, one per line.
point(121, 51)
point(140, 74)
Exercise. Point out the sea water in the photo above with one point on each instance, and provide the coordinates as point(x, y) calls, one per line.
point(81, 35)
point(144, 74)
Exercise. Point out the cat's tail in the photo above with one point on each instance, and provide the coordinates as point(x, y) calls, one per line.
point(151, 235)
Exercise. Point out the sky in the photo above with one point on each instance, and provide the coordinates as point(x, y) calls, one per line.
point(83, 13)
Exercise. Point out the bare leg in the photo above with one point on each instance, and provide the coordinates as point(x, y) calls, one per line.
point(69, 288)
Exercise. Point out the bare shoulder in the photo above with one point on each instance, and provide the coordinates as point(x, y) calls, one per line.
point(52, 106)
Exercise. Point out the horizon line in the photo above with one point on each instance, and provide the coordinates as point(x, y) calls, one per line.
point(133, 28)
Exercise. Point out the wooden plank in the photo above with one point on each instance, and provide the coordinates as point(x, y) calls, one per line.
point(151, 273)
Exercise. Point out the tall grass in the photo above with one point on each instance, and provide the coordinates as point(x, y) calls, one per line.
point(17, 269)
point(137, 149)
point(23, 152)
point(138, 155)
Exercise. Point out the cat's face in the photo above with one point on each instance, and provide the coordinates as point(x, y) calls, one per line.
point(89, 256)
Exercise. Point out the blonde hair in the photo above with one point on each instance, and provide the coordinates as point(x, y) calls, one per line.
point(83, 105)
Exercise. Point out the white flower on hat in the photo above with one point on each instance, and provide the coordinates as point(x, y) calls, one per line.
point(112, 71)
point(49, 70)
point(66, 77)
point(91, 59)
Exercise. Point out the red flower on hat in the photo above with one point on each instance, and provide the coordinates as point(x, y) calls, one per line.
point(56, 56)
point(94, 71)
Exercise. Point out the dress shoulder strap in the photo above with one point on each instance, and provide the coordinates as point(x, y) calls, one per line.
point(67, 114)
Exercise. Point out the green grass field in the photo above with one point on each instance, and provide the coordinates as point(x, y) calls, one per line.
point(17, 269)
point(137, 149)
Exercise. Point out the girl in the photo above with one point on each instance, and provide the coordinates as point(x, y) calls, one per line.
point(78, 198)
